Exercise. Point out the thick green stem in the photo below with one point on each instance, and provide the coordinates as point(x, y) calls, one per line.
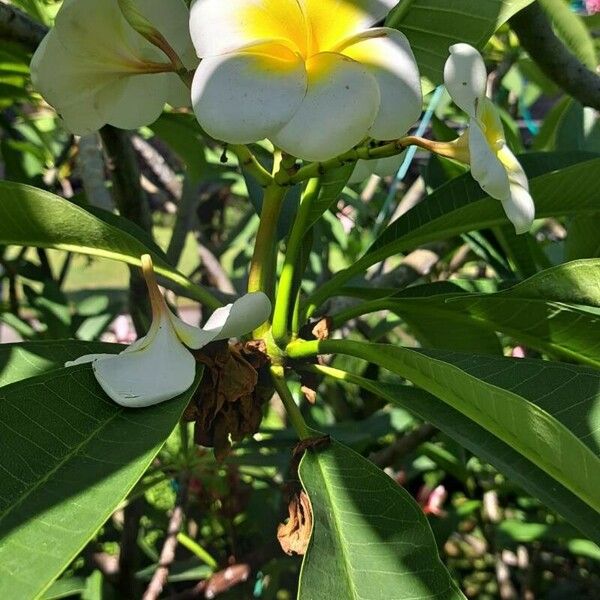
point(262, 269)
point(285, 296)
point(249, 163)
point(292, 410)
point(316, 169)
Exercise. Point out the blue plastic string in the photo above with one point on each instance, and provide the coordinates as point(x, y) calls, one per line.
point(410, 156)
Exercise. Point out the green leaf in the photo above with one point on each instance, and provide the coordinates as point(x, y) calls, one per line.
point(68, 457)
point(33, 217)
point(485, 445)
point(556, 311)
point(548, 412)
point(22, 361)
point(432, 26)
point(461, 205)
point(370, 538)
point(560, 184)
point(572, 31)
point(332, 185)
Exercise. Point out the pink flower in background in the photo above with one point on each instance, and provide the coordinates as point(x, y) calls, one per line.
point(593, 6)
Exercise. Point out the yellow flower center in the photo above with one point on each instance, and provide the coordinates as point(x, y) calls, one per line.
point(306, 27)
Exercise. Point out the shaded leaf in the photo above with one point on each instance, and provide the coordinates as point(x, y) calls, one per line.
point(68, 457)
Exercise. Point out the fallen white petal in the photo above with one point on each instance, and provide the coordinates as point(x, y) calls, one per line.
point(340, 106)
point(245, 97)
point(234, 320)
point(389, 58)
point(160, 371)
point(465, 77)
point(88, 358)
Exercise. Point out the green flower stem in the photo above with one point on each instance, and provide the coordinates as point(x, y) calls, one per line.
point(264, 262)
point(292, 410)
point(198, 550)
point(384, 150)
point(285, 300)
point(250, 164)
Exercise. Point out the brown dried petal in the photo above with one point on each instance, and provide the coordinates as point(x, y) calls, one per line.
point(322, 330)
point(294, 535)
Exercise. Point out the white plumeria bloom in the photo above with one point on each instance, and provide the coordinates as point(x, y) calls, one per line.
point(313, 76)
point(159, 366)
point(94, 69)
point(493, 165)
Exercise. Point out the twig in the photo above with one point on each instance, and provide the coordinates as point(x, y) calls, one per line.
point(132, 203)
point(403, 446)
point(167, 554)
point(16, 26)
point(537, 37)
point(128, 553)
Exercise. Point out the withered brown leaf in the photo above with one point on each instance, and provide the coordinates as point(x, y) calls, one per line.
point(294, 535)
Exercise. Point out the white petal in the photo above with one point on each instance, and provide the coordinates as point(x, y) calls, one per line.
point(233, 320)
point(516, 174)
point(245, 97)
point(465, 77)
point(88, 358)
point(388, 56)
point(389, 167)
point(220, 26)
point(334, 20)
point(340, 106)
point(245, 315)
point(362, 171)
point(178, 94)
point(160, 371)
point(172, 20)
point(486, 168)
point(98, 31)
point(71, 89)
point(134, 101)
point(520, 208)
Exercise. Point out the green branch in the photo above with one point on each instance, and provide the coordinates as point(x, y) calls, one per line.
point(537, 37)
point(284, 302)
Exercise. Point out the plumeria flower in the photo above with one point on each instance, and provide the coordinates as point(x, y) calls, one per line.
point(94, 68)
point(493, 165)
point(313, 76)
point(159, 366)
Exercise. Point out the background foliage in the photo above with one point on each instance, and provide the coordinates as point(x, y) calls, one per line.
point(451, 466)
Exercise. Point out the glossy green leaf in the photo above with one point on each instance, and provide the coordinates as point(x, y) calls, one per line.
point(549, 413)
point(370, 539)
point(561, 185)
point(486, 446)
point(572, 31)
point(68, 457)
point(432, 26)
point(30, 359)
point(33, 217)
point(556, 311)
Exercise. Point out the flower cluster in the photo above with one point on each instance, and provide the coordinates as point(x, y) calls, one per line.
point(95, 69)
